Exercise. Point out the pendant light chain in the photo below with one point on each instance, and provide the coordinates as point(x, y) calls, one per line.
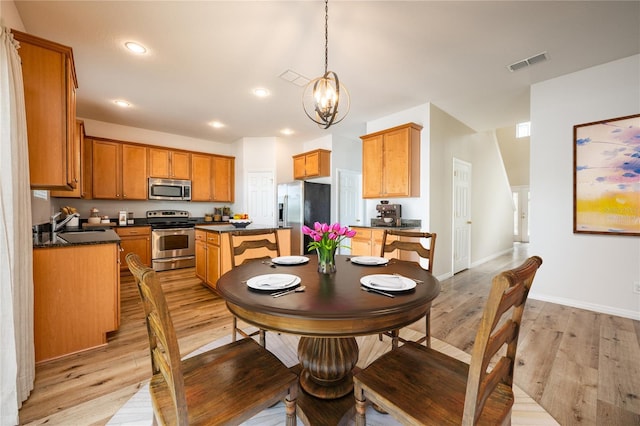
point(326, 35)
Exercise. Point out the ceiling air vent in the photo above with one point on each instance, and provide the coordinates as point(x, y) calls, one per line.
point(540, 57)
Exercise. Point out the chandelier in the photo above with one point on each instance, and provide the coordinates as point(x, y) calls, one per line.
point(325, 100)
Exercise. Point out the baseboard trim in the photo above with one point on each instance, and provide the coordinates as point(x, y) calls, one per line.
point(634, 315)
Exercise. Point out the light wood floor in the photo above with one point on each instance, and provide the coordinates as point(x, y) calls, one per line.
point(582, 367)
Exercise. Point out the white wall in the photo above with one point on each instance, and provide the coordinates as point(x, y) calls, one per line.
point(515, 154)
point(491, 205)
point(9, 16)
point(588, 271)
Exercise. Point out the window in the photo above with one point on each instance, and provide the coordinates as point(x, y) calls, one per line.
point(41, 193)
point(523, 130)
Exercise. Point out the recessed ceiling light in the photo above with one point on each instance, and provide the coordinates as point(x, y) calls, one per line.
point(121, 103)
point(216, 124)
point(135, 47)
point(261, 92)
point(287, 132)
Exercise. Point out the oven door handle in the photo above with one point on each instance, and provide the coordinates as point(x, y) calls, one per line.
point(173, 229)
point(173, 259)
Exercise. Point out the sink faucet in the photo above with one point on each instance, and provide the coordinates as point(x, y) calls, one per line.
point(55, 227)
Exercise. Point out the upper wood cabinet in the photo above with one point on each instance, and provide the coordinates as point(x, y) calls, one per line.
point(76, 154)
point(49, 78)
point(166, 163)
point(201, 182)
point(223, 178)
point(391, 162)
point(212, 178)
point(312, 164)
point(119, 170)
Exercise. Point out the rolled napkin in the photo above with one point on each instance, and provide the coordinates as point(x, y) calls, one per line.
point(387, 281)
point(275, 281)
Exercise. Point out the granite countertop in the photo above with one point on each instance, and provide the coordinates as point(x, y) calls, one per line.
point(229, 228)
point(73, 238)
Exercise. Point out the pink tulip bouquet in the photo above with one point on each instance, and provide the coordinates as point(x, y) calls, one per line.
point(326, 239)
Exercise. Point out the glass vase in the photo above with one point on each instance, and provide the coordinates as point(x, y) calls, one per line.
point(326, 261)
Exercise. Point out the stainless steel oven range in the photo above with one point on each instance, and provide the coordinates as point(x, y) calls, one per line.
point(172, 239)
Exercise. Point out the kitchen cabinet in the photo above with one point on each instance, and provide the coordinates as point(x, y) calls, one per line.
point(208, 257)
point(223, 178)
point(119, 170)
point(76, 298)
point(312, 164)
point(368, 242)
point(134, 239)
point(213, 252)
point(170, 164)
point(201, 189)
point(82, 166)
point(49, 78)
point(212, 178)
point(391, 162)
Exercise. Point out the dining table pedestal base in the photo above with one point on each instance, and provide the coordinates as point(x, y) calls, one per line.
point(327, 365)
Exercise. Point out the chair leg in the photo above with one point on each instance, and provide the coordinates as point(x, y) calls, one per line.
point(290, 410)
point(361, 406)
point(263, 338)
point(427, 329)
point(395, 338)
point(234, 328)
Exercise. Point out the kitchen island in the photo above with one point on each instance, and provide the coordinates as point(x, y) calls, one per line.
point(76, 279)
point(213, 249)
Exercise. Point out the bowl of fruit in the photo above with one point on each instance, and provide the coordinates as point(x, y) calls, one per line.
point(240, 220)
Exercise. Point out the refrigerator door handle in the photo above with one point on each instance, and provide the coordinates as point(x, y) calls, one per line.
point(285, 213)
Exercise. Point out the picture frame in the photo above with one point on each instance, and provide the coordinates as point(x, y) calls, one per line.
point(606, 177)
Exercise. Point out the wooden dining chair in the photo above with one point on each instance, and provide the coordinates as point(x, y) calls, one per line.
point(419, 385)
point(398, 244)
point(248, 246)
point(225, 385)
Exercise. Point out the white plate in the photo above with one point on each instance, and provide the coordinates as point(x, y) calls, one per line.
point(386, 282)
point(273, 281)
point(290, 260)
point(370, 260)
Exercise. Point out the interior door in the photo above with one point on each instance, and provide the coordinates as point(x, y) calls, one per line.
point(521, 200)
point(261, 199)
point(349, 200)
point(461, 215)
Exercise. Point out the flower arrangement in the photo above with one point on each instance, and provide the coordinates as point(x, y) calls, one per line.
point(326, 239)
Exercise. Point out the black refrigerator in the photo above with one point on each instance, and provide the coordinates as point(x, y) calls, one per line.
point(303, 203)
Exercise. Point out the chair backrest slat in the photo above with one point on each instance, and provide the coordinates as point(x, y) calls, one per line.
point(163, 343)
point(509, 293)
point(247, 241)
point(416, 246)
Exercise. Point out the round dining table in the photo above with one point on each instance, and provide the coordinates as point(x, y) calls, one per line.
point(329, 313)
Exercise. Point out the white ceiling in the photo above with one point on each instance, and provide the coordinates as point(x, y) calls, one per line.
point(205, 57)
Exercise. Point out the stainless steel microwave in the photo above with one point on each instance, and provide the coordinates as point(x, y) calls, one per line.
point(169, 189)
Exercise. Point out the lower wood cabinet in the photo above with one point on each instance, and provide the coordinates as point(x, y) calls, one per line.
point(135, 239)
point(76, 298)
point(208, 257)
point(213, 253)
point(368, 242)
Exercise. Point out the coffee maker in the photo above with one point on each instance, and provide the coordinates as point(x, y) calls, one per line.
point(388, 215)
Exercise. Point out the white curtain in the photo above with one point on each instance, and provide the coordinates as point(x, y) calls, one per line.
point(17, 358)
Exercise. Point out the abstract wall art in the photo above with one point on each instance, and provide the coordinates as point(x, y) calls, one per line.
point(606, 177)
